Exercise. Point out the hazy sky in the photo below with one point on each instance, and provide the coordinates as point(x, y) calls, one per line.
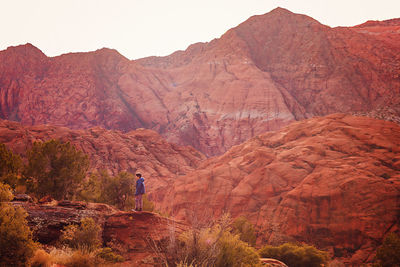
point(140, 28)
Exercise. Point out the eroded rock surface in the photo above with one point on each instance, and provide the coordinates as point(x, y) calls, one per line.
point(259, 76)
point(329, 181)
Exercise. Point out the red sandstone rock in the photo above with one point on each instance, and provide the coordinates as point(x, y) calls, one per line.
point(333, 182)
point(259, 76)
point(140, 150)
point(128, 233)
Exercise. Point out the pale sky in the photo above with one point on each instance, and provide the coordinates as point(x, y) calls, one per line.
point(141, 28)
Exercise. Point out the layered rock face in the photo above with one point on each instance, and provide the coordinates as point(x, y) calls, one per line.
point(265, 73)
point(333, 182)
point(130, 234)
point(140, 150)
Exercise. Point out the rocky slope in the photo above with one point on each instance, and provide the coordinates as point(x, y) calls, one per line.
point(259, 76)
point(128, 233)
point(140, 150)
point(329, 181)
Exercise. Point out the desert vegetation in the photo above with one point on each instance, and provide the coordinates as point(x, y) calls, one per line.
point(296, 255)
point(388, 254)
point(216, 243)
point(16, 244)
point(60, 170)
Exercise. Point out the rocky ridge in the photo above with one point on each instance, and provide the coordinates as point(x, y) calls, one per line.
point(259, 76)
point(329, 181)
point(140, 150)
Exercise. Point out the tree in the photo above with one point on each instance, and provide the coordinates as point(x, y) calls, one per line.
point(102, 187)
point(10, 166)
point(389, 253)
point(55, 168)
point(16, 245)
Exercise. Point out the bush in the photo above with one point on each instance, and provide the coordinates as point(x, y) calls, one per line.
point(296, 255)
point(16, 245)
point(235, 252)
point(5, 193)
point(389, 253)
point(55, 169)
point(10, 166)
point(108, 255)
point(213, 245)
point(41, 259)
point(85, 236)
point(244, 229)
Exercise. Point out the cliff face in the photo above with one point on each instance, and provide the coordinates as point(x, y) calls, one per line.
point(268, 71)
point(140, 150)
point(333, 182)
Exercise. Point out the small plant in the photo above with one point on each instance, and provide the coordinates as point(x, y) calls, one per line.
point(84, 236)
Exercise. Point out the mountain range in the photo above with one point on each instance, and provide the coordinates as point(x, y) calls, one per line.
point(270, 70)
point(269, 121)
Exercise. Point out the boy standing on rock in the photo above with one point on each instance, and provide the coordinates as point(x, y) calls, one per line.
point(139, 192)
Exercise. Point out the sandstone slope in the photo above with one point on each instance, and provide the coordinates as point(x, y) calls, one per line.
point(140, 150)
point(259, 76)
point(329, 181)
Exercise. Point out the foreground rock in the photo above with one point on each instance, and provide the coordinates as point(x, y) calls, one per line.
point(332, 181)
point(261, 75)
point(131, 234)
point(114, 151)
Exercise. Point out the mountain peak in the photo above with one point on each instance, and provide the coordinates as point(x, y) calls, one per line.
point(27, 49)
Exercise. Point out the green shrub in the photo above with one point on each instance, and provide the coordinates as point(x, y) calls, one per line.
point(235, 252)
point(296, 255)
point(55, 169)
point(389, 253)
point(244, 229)
point(16, 245)
point(85, 236)
point(10, 166)
point(108, 255)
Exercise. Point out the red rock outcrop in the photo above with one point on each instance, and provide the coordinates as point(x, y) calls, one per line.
point(130, 234)
point(140, 150)
point(259, 76)
point(329, 181)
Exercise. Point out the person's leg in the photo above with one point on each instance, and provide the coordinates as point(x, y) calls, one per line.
point(137, 202)
point(141, 202)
